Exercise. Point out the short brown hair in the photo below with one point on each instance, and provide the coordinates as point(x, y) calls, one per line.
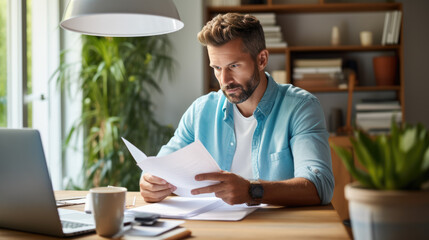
point(224, 28)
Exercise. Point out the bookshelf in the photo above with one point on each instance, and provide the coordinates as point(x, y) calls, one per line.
point(298, 49)
point(295, 51)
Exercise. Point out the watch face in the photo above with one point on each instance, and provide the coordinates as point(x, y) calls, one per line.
point(257, 191)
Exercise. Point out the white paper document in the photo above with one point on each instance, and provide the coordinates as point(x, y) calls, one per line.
point(209, 208)
point(179, 168)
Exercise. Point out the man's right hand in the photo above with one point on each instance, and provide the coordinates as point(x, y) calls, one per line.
point(154, 189)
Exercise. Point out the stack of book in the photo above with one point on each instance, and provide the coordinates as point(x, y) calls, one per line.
point(392, 27)
point(272, 31)
point(317, 73)
point(376, 116)
point(279, 76)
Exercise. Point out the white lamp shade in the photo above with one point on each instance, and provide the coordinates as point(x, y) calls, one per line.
point(121, 18)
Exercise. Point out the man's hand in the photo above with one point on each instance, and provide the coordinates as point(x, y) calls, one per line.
point(232, 188)
point(154, 189)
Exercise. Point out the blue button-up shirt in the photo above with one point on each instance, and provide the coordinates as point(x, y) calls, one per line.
point(290, 139)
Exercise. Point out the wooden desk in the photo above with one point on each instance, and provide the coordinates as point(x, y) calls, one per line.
point(320, 222)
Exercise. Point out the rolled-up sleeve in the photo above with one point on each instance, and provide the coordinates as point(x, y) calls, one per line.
point(310, 148)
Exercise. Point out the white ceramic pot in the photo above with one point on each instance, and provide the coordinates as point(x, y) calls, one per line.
point(379, 214)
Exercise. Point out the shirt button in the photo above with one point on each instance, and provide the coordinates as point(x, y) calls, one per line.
point(232, 144)
point(316, 171)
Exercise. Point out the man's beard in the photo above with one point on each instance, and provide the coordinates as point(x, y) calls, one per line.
point(245, 92)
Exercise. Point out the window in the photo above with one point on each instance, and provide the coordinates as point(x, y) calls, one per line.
point(3, 63)
point(29, 41)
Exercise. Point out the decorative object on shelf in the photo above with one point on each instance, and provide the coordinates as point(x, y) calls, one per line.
point(366, 38)
point(391, 199)
point(335, 36)
point(385, 68)
point(125, 18)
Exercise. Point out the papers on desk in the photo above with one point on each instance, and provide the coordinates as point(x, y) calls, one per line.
point(209, 208)
point(71, 201)
point(179, 168)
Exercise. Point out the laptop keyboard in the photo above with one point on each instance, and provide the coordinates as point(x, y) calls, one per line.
point(67, 224)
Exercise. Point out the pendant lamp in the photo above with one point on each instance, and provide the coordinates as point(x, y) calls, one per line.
point(121, 18)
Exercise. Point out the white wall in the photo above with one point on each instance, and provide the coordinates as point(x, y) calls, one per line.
point(416, 51)
point(187, 83)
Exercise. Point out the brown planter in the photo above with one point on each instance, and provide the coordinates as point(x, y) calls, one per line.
point(385, 70)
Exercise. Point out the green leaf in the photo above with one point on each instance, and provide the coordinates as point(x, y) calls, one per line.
point(115, 106)
point(347, 158)
point(367, 153)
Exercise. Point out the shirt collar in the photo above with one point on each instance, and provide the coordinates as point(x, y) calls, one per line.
point(265, 104)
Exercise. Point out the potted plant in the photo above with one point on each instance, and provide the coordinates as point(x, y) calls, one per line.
point(117, 77)
point(391, 198)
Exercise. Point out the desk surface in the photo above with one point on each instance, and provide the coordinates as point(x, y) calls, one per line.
point(319, 222)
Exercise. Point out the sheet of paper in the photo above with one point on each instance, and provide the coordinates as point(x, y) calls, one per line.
point(71, 201)
point(179, 168)
point(226, 213)
point(150, 231)
point(180, 207)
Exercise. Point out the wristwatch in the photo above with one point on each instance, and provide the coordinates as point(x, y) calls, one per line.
point(256, 192)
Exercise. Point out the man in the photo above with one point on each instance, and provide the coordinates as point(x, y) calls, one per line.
point(253, 127)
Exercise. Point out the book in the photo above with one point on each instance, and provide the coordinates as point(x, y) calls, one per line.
point(390, 36)
point(218, 3)
point(315, 83)
point(379, 115)
point(276, 44)
point(317, 70)
point(279, 76)
point(336, 62)
point(274, 28)
point(397, 27)
point(377, 120)
point(378, 106)
point(273, 40)
point(299, 76)
point(385, 28)
point(273, 35)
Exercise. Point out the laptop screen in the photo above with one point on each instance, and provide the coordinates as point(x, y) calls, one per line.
point(27, 199)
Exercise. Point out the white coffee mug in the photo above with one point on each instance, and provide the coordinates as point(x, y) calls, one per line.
point(366, 38)
point(108, 204)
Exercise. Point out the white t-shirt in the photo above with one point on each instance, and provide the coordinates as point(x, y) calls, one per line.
point(244, 129)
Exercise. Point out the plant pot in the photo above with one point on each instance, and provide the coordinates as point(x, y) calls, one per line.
point(379, 214)
point(385, 70)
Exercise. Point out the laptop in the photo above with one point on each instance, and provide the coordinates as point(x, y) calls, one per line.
point(27, 201)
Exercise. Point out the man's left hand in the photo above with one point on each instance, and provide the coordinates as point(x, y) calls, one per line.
point(232, 188)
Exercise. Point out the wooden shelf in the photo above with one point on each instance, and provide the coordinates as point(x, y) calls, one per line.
point(348, 48)
point(356, 89)
point(309, 8)
point(344, 48)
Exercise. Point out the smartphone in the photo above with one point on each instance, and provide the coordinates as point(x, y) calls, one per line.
point(146, 219)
